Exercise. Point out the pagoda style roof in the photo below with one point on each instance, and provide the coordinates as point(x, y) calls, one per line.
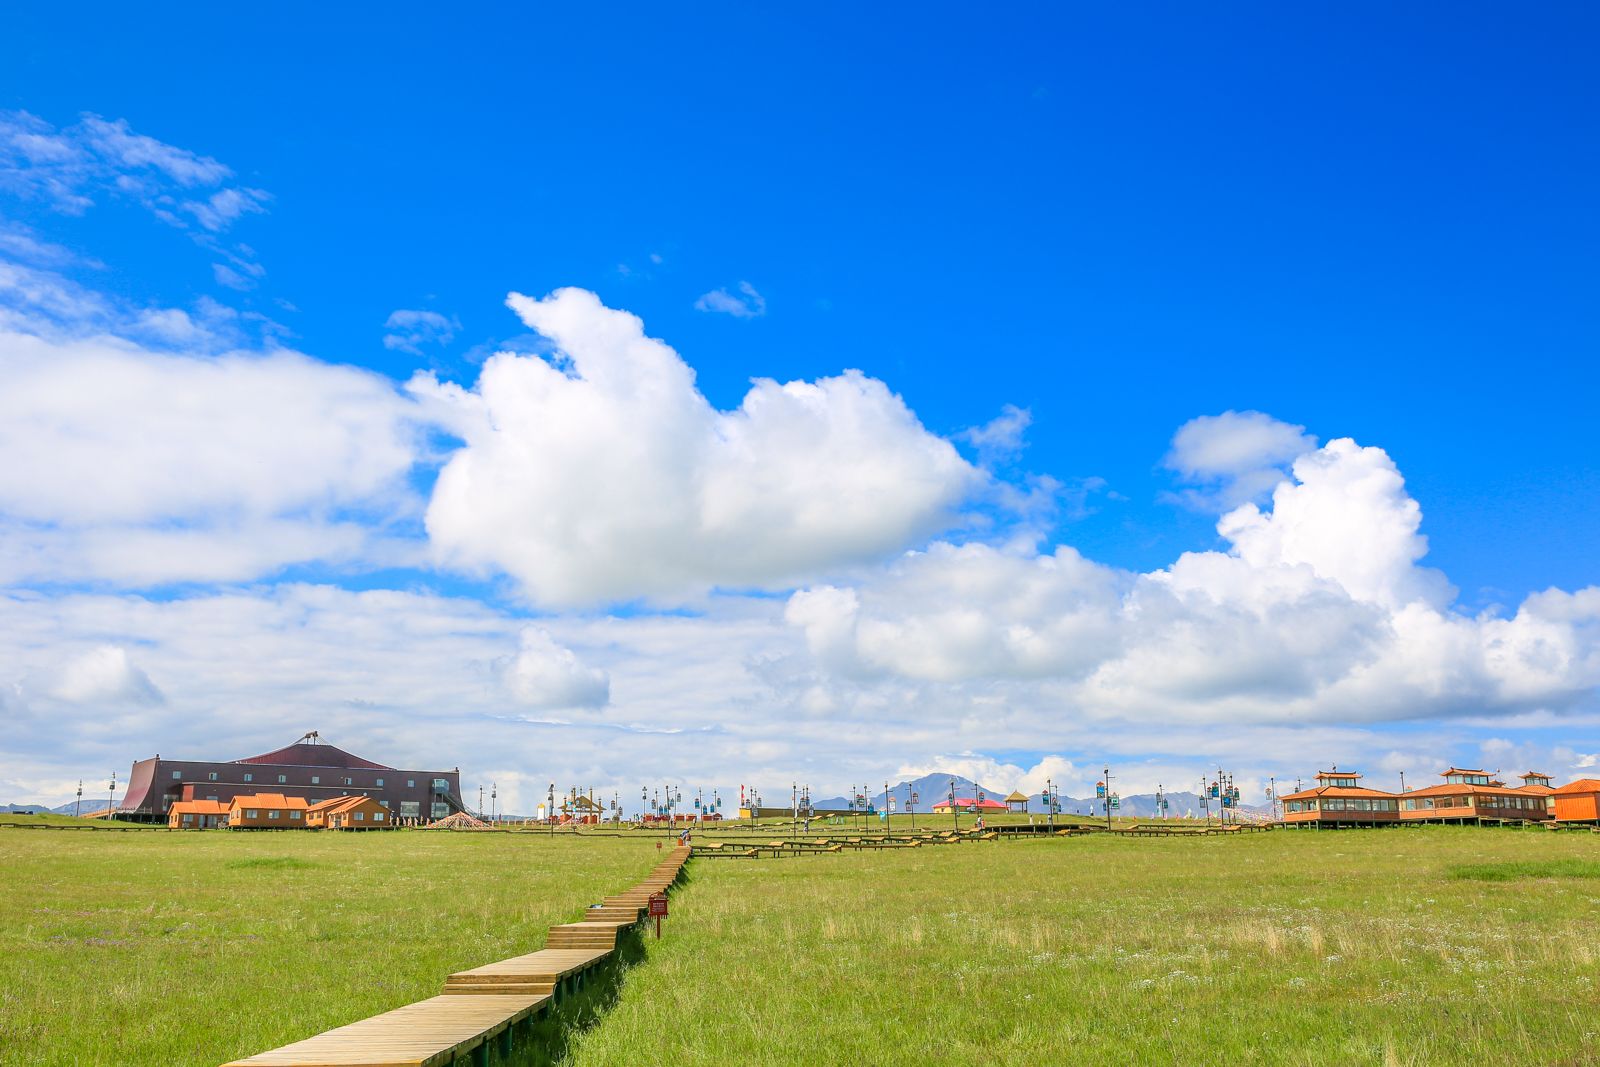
point(1338, 791)
point(1016, 798)
point(1464, 770)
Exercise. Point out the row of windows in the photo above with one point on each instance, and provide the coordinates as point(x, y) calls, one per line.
point(1490, 800)
point(1344, 804)
point(283, 779)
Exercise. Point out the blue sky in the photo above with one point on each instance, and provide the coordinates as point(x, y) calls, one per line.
point(1365, 223)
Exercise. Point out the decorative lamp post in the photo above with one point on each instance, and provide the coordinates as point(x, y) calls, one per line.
point(911, 806)
point(954, 812)
point(111, 805)
point(77, 805)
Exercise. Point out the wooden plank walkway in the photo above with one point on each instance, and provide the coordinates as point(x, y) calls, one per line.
point(483, 1003)
point(428, 1033)
point(538, 972)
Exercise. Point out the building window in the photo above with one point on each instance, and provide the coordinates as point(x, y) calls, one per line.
point(188, 818)
point(282, 778)
point(272, 814)
point(440, 810)
point(377, 816)
point(212, 776)
point(410, 809)
point(361, 816)
point(252, 814)
point(349, 781)
point(380, 781)
point(294, 815)
point(316, 780)
point(411, 783)
point(176, 775)
point(249, 777)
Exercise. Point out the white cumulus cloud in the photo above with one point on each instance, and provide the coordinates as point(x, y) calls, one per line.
point(105, 675)
point(1235, 457)
point(120, 463)
point(602, 473)
point(1319, 610)
point(547, 675)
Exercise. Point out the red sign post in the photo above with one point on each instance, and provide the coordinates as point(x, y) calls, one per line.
point(658, 908)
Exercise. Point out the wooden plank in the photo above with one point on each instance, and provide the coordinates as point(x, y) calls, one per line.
point(428, 1033)
point(552, 963)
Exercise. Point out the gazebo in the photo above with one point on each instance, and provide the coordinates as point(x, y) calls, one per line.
point(1016, 802)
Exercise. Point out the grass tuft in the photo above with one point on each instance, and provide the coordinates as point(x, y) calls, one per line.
point(269, 863)
point(1519, 869)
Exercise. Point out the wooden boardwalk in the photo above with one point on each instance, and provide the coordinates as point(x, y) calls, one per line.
point(430, 1032)
point(483, 1004)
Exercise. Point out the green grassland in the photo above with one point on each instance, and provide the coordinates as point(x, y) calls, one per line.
point(1404, 946)
point(1399, 946)
point(195, 948)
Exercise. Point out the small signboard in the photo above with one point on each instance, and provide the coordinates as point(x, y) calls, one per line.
point(658, 908)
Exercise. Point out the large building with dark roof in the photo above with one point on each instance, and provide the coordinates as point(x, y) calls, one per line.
point(308, 768)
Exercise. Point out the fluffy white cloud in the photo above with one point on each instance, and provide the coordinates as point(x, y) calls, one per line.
point(602, 474)
point(747, 303)
point(1236, 456)
point(105, 675)
point(546, 675)
point(1319, 611)
point(122, 463)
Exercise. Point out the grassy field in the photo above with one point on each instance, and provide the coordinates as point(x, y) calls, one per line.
point(1416, 946)
point(195, 948)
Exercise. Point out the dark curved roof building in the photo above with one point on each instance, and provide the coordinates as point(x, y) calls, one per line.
point(308, 768)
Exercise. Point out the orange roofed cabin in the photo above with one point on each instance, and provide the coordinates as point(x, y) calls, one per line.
point(1339, 799)
point(1578, 802)
point(347, 813)
point(1469, 793)
point(197, 815)
point(267, 811)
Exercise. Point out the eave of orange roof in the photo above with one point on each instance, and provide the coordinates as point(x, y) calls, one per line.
point(1450, 789)
point(269, 800)
point(1338, 791)
point(1582, 785)
point(199, 807)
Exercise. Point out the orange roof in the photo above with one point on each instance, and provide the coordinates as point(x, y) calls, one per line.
point(1463, 770)
point(338, 804)
point(1337, 774)
point(1449, 789)
point(1338, 791)
point(1582, 785)
point(270, 800)
point(199, 807)
point(1536, 789)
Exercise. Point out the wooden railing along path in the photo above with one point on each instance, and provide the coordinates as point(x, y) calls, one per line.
point(484, 1005)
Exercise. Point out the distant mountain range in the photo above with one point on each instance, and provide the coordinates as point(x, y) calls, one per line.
point(40, 809)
